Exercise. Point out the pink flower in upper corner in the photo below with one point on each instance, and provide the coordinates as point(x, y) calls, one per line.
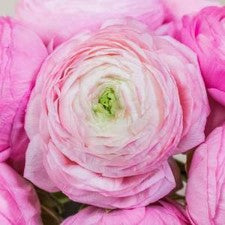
point(108, 109)
point(57, 20)
point(204, 33)
point(178, 8)
point(158, 214)
point(22, 53)
point(206, 184)
point(19, 203)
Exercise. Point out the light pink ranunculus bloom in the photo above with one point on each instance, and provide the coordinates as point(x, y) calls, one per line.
point(19, 202)
point(178, 8)
point(204, 33)
point(108, 109)
point(56, 20)
point(158, 214)
point(206, 183)
point(22, 53)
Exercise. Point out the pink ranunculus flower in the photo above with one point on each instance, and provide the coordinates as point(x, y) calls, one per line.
point(19, 202)
point(22, 53)
point(206, 184)
point(55, 20)
point(158, 214)
point(204, 33)
point(108, 109)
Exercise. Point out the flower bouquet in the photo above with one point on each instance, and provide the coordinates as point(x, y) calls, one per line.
point(112, 113)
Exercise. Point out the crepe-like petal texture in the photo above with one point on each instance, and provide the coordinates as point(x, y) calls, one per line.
point(19, 202)
point(57, 20)
point(204, 33)
point(108, 109)
point(21, 55)
point(161, 213)
point(206, 182)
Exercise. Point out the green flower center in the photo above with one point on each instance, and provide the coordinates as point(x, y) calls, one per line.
point(108, 104)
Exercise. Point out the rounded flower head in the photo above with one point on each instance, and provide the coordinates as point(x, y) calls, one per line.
point(69, 17)
point(19, 203)
point(206, 183)
point(204, 33)
point(160, 213)
point(22, 53)
point(108, 110)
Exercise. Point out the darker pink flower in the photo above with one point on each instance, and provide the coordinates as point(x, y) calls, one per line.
point(204, 33)
point(22, 53)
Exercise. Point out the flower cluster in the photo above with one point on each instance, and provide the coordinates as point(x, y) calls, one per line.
point(97, 97)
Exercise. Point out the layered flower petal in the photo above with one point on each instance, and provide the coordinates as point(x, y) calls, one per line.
point(22, 53)
point(19, 203)
point(160, 213)
point(108, 110)
point(206, 183)
point(204, 33)
point(69, 17)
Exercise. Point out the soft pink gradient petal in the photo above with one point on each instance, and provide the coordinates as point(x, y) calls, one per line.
point(34, 169)
point(193, 97)
point(91, 188)
point(19, 202)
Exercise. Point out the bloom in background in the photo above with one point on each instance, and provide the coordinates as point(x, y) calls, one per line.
point(22, 53)
point(178, 8)
point(204, 33)
point(68, 17)
point(19, 203)
point(160, 213)
point(206, 183)
point(107, 111)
